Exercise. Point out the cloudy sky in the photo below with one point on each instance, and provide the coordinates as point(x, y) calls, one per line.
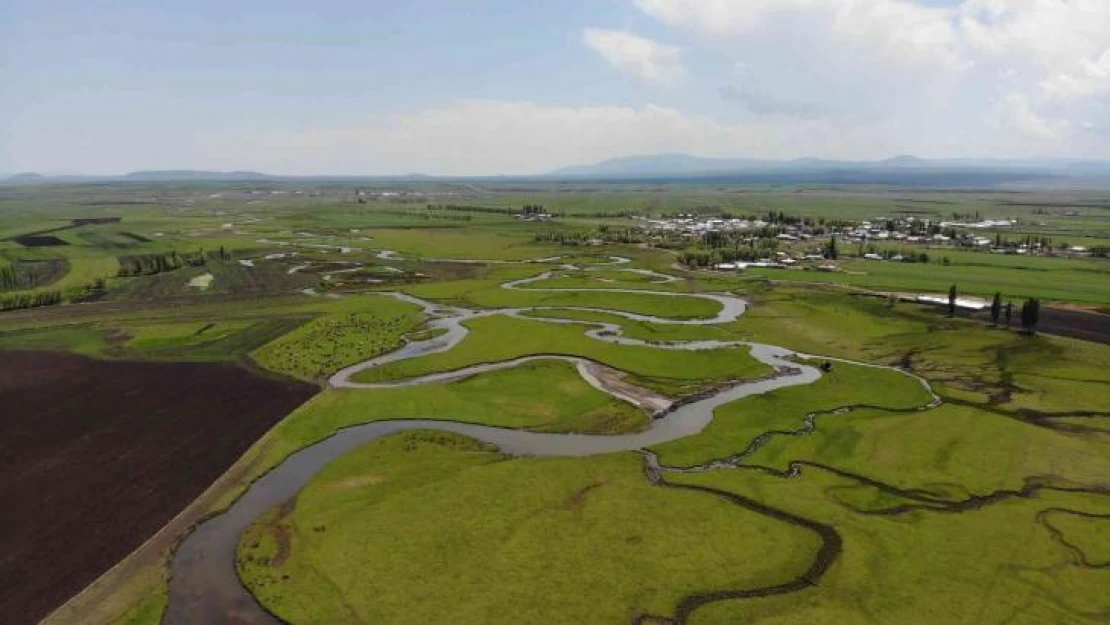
point(526, 86)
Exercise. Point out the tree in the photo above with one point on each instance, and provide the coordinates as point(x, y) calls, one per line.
point(996, 308)
point(830, 251)
point(952, 301)
point(1030, 315)
point(1009, 312)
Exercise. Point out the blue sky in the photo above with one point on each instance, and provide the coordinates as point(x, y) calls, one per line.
point(337, 86)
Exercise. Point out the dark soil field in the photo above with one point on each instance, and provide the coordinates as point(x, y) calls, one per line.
point(1076, 324)
point(43, 240)
point(96, 456)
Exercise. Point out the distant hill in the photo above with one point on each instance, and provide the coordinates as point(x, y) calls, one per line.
point(1097, 168)
point(901, 170)
point(903, 160)
point(684, 165)
point(28, 177)
point(660, 164)
point(170, 175)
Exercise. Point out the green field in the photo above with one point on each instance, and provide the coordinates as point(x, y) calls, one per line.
point(543, 396)
point(554, 540)
point(667, 370)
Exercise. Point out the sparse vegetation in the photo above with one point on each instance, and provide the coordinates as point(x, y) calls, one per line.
point(328, 343)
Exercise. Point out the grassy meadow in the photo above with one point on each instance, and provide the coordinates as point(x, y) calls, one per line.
point(510, 540)
point(497, 338)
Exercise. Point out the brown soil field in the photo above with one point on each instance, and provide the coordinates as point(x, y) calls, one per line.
point(1069, 322)
point(96, 456)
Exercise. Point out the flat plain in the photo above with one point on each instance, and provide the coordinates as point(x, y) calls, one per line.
point(906, 463)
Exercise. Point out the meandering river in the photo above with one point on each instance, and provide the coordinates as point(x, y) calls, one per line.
point(204, 584)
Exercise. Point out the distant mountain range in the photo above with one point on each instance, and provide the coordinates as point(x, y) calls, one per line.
point(897, 170)
point(197, 175)
point(189, 174)
point(168, 175)
point(648, 166)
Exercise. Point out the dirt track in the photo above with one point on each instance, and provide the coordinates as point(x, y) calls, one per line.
point(96, 456)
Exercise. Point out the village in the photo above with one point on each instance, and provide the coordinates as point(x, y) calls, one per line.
point(778, 241)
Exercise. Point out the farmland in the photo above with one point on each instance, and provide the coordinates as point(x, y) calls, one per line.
point(420, 408)
point(177, 427)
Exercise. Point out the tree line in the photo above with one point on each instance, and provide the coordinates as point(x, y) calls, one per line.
point(30, 300)
point(22, 275)
point(1030, 311)
point(527, 209)
point(603, 234)
point(149, 264)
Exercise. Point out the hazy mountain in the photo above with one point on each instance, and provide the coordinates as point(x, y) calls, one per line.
point(1098, 168)
point(661, 164)
point(171, 175)
point(897, 170)
point(141, 176)
point(903, 160)
point(684, 165)
point(27, 177)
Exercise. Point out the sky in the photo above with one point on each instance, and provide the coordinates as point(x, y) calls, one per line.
point(528, 86)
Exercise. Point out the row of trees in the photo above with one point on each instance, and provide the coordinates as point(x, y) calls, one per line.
point(28, 275)
point(700, 259)
point(30, 300)
point(148, 264)
point(527, 209)
point(604, 234)
point(1030, 311)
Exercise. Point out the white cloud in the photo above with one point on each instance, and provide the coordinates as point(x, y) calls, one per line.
point(1044, 33)
point(1092, 78)
point(488, 137)
point(478, 137)
point(639, 56)
point(1035, 66)
point(1017, 112)
point(892, 27)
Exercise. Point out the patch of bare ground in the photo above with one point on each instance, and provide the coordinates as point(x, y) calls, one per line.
point(283, 533)
point(358, 482)
point(97, 456)
point(650, 401)
point(578, 499)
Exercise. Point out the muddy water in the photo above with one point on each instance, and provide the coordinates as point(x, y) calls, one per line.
point(204, 586)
